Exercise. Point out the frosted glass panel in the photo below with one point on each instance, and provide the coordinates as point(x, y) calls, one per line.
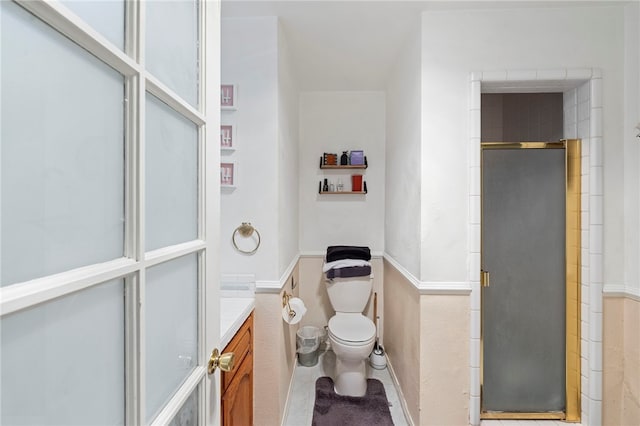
point(172, 329)
point(172, 176)
point(62, 166)
point(105, 16)
point(63, 361)
point(523, 248)
point(172, 45)
point(188, 414)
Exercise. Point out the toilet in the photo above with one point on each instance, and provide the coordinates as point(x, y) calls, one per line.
point(352, 335)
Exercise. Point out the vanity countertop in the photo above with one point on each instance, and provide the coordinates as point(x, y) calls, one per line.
point(233, 312)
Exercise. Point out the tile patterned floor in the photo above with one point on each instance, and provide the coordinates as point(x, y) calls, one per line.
point(302, 397)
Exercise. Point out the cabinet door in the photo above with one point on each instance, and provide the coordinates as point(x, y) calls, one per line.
point(237, 401)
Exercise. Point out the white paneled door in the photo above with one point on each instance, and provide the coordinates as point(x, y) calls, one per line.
point(109, 212)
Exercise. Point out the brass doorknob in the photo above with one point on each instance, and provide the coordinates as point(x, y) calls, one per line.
point(224, 361)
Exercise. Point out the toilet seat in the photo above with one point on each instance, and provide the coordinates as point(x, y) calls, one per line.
point(352, 329)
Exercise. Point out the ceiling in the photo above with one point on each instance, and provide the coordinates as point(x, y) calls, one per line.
point(352, 45)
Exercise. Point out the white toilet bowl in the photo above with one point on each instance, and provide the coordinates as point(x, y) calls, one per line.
point(352, 336)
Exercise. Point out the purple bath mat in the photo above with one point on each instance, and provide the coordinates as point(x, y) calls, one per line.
point(332, 409)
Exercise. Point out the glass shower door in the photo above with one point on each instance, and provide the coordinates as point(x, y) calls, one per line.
point(523, 307)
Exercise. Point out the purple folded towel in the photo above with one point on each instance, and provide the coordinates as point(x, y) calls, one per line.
point(349, 272)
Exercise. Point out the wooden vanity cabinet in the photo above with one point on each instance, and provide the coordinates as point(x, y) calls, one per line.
point(237, 385)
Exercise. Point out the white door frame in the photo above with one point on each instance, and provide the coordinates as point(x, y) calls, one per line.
point(132, 267)
point(559, 80)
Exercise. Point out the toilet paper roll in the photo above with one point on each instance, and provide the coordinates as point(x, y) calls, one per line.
point(293, 312)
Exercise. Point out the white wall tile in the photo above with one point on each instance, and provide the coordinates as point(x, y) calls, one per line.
point(595, 181)
point(474, 123)
point(475, 361)
point(570, 131)
point(584, 91)
point(474, 238)
point(583, 129)
point(596, 122)
point(474, 181)
point(585, 148)
point(474, 267)
point(499, 75)
point(595, 326)
point(596, 93)
point(595, 302)
point(584, 288)
point(475, 381)
point(584, 204)
point(474, 151)
point(559, 74)
point(595, 241)
point(570, 113)
point(595, 268)
point(584, 111)
point(584, 183)
point(595, 153)
point(595, 356)
point(585, 407)
point(596, 73)
point(475, 95)
point(595, 210)
point(579, 74)
point(476, 294)
point(475, 324)
point(475, 76)
point(474, 411)
point(521, 75)
point(584, 350)
point(595, 412)
point(474, 209)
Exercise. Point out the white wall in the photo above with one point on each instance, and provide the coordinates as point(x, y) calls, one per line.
point(403, 169)
point(458, 42)
point(632, 148)
point(249, 58)
point(333, 122)
point(287, 157)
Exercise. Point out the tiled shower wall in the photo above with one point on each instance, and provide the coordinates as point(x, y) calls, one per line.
point(582, 119)
point(578, 107)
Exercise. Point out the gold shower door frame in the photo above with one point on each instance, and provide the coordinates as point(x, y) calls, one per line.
point(572, 282)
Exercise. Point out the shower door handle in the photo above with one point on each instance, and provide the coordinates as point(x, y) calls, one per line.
point(485, 280)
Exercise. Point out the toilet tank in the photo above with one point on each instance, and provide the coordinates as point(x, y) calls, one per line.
point(349, 294)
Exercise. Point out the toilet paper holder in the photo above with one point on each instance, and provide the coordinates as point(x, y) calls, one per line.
point(285, 303)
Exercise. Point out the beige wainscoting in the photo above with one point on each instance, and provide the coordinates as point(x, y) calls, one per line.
point(402, 342)
point(621, 361)
point(427, 342)
point(444, 348)
point(274, 355)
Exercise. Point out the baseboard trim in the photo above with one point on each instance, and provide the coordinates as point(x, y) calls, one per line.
point(403, 401)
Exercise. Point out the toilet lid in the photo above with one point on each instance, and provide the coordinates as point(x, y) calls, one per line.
point(352, 328)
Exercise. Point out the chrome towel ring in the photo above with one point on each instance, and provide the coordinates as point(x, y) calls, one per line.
point(245, 230)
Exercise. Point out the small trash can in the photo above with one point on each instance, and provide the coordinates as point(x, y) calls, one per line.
point(308, 343)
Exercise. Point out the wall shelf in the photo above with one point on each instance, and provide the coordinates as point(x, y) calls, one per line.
point(345, 169)
point(348, 167)
point(342, 192)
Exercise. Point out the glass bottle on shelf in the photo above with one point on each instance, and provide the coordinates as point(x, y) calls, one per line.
point(344, 158)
